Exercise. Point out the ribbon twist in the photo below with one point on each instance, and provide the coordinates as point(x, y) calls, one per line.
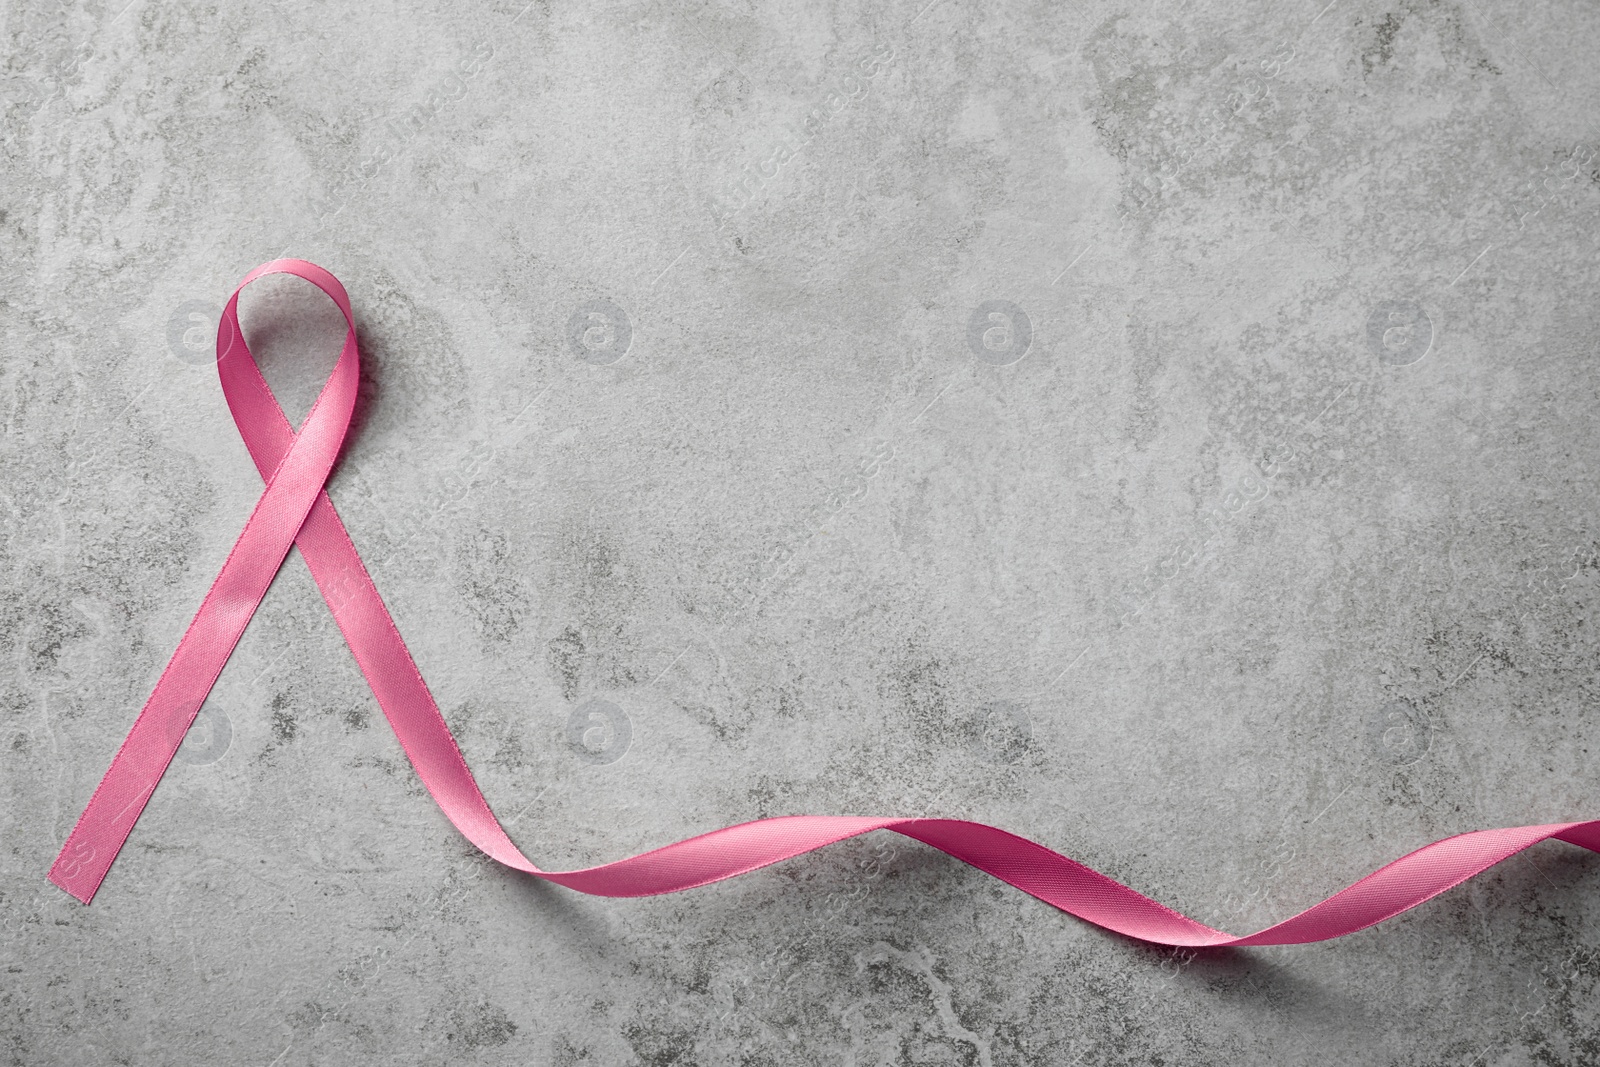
point(294, 509)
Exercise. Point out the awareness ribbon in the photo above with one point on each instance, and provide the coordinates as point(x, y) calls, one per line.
point(294, 509)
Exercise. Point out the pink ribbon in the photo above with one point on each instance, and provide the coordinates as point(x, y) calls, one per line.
point(295, 509)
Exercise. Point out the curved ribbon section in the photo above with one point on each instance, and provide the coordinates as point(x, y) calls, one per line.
point(295, 509)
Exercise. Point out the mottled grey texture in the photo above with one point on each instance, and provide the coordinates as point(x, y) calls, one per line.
point(1271, 557)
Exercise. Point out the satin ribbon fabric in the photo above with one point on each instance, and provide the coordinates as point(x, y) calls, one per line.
point(294, 509)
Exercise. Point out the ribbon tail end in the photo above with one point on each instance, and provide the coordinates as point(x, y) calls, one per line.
point(82, 894)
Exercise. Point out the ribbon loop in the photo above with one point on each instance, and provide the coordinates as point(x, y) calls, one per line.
point(294, 509)
point(293, 485)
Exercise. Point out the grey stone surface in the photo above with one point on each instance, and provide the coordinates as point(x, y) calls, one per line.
point(1165, 430)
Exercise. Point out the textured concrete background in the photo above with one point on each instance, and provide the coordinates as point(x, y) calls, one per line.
point(1165, 430)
